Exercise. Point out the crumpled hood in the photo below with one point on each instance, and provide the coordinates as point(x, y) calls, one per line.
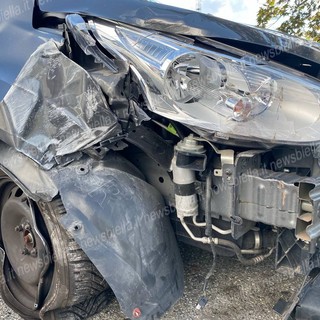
point(141, 13)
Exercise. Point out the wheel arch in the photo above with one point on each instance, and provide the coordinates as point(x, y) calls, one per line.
point(139, 258)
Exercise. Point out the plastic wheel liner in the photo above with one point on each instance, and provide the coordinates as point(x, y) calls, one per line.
point(121, 223)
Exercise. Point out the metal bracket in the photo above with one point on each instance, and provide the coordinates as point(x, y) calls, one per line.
point(227, 158)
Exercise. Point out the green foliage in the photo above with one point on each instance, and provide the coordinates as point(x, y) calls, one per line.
point(296, 17)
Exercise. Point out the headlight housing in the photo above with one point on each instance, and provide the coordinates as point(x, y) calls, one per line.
point(222, 94)
point(225, 87)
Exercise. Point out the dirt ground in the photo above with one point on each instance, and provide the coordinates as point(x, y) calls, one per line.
point(235, 292)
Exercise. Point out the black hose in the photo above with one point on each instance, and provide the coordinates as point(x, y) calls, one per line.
point(241, 258)
point(212, 269)
point(208, 230)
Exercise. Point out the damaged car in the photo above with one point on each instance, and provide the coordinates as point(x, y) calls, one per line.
point(127, 126)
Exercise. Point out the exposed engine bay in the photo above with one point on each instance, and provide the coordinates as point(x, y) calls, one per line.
point(256, 201)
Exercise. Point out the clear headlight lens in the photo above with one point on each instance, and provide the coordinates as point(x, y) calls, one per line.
point(229, 89)
point(222, 94)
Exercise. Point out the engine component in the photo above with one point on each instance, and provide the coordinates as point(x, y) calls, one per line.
point(228, 244)
point(259, 187)
point(215, 228)
point(185, 194)
point(237, 251)
point(187, 202)
point(184, 178)
point(191, 154)
point(277, 198)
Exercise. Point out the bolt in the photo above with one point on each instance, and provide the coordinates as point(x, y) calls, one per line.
point(27, 227)
point(228, 172)
point(18, 228)
point(77, 227)
point(136, 313)
point(34, 252)
point(25, 252)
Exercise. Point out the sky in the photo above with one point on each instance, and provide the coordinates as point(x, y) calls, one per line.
point(244, 11)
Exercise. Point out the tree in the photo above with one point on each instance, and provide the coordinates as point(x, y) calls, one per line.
point(296, 17)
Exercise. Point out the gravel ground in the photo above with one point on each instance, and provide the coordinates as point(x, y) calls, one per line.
point(235, 292)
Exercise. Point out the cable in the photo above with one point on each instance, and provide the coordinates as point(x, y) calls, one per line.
point(207, 209)
point(203, 300)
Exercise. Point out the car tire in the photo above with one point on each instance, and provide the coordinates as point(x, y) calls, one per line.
point(71, 287)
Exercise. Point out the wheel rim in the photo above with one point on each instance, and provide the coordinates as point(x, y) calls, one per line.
point(27, 253)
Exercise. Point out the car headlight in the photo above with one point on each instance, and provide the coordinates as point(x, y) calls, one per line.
point(220, 93)
point(223, 86)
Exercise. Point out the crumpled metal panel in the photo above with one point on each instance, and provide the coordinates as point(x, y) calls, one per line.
point(55, 109)
point(270, 197)
point(121, 224)
point(34, 181)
